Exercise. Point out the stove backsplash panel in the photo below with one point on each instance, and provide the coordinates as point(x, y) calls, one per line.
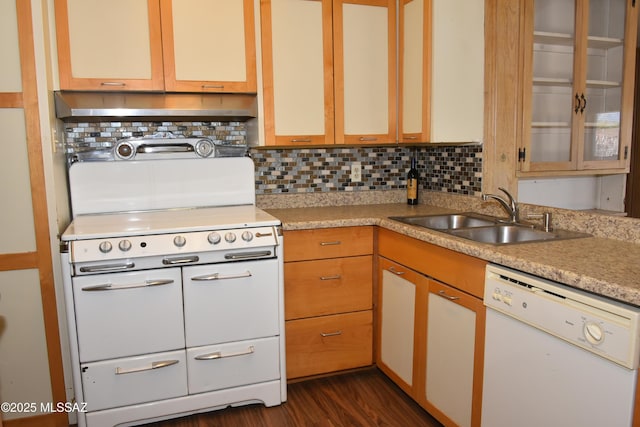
point(452, 169)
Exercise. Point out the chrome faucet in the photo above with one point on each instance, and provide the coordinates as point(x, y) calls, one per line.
point(510, 206)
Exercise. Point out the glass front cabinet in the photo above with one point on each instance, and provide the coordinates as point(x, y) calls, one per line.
point(578, 86)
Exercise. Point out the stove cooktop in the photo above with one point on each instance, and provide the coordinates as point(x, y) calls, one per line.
point(166, 221)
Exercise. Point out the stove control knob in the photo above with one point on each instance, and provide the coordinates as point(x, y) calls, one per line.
point(247, 236)
point(179, 241)
point(214, 238)
point(204, 148)
point(124, 245)
point(105, 247)
point(230, 237)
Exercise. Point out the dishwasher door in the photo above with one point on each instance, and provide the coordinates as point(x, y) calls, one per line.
point(534, 379)
point(556, 356)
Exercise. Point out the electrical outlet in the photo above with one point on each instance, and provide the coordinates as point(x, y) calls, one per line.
point(356, 172)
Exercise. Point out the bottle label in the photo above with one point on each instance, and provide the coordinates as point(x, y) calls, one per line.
point(412, 189)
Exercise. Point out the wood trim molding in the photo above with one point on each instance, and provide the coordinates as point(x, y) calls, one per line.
point(39, 203)
point(502, 68)
point(22, 261)
point(11, 100)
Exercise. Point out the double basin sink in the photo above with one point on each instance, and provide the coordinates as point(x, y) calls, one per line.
point(486, 229)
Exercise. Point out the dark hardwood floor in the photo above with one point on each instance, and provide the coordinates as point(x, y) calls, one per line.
point(361, 398)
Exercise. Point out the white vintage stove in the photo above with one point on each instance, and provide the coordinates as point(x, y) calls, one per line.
point(173, 284)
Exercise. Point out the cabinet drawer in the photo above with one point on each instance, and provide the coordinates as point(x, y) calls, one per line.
point(120, 382)
point(316, 288)
point(329, 343)
point(322, 243)
point(456, 269)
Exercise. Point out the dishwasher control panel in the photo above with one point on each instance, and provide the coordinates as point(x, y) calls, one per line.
point(600, 325)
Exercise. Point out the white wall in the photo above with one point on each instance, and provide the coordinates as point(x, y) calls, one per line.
point(585, 192)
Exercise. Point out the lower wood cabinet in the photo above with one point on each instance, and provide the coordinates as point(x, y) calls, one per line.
point(329, 343)
point(454, 356)
point(430, 335)
point(328, 281)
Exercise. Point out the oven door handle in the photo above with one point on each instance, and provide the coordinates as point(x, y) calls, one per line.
point(154, 365)
point(218, 276)
point(220, 355)
point(112, 287)
point(247, 255)
point(107, 267)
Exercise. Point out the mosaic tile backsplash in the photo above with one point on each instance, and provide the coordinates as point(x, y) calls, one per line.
point(452, 169)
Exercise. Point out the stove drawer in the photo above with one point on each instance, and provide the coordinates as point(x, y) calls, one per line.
point(125, 314)
point(234, 364)
point(121, 382)
point(231, 302)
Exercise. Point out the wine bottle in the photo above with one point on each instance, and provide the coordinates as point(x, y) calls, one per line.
point(412, 184)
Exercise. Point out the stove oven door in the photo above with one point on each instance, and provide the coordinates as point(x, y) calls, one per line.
point(127, 314)
point(231, 301)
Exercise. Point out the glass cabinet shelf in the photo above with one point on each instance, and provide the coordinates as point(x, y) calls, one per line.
point(565, 39)
point(550, 81)
point(550, 124)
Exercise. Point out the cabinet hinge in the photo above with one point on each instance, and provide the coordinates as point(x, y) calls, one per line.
point(522, 154)
point(626, 152)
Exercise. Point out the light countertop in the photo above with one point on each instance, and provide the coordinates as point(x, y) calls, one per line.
point(603, 266)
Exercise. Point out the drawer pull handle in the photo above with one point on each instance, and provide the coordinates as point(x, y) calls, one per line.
point(112, 287)
point(212, 86)
point(396, 272)
point(218, 276)
point(119, 84)
point(180, 260)
point(220, 355)
point(335, 242)
point(154, 365)
point(336, 277)
point(301, 140)
point(107, 267)
point(368, 138)
point(248, 255)
point(449, 297)
point(330, 334)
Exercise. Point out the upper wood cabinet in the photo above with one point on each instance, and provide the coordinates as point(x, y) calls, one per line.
point(414, 71)
point(579, 61)
point(364, 51)
point(156, 45)
point(457, 57)
point(297, 71)
point(329, 71)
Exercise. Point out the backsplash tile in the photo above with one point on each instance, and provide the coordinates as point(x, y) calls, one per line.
point(451, 169)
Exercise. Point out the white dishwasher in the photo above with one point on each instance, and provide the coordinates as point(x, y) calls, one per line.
point(556, 356)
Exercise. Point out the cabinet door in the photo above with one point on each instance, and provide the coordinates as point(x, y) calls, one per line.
point(457, 91)
point(414, 76)
point(578, 81)
point(114, 47)
point(454, 356)
point(209, 45)
point(365, 71)
point(400, 290)
point(297, 71)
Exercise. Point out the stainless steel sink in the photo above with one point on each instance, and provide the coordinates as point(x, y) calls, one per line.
point(504, 234)
point(487, 229)
point(447, 221)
